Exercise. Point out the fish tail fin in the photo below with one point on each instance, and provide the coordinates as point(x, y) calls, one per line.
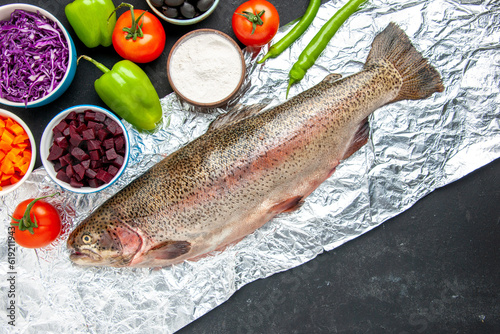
point(420, 79)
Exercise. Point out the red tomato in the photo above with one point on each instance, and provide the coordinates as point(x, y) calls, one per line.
point(255, 22)
point(141, 49)
point(47, 218)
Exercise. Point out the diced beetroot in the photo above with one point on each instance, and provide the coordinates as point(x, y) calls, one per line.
point(119, 142)
point(108, 143)
point(100, 117)
point(55, 152)
point(57, 166)
point(80, 171)
point(79, 154)
point(89, 115)
point(70, 172)
point(57, 134)
point(66, 132)
point(80, 128)
point(85, 164)
point(121, 151)
point(111, 154)
point(95, 164)
point(103, 176)
point(61, 175)
point(94, 155)
point(90, 173)
point(103, 134)
point(118, 161)
point(112, 170)
point(62, 142)
point(88, 134)
point(75, 183)
point(95, 183)
point(61, 126)
point(62, 162)
point(93, 145)
point(81, 117)
point(71, 116)
point(114, 128)
point(75, 142)
point(66, 158)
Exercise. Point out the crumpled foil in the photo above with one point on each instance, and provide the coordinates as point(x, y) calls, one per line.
point(414, 148)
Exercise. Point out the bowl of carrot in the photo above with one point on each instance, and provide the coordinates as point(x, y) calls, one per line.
point(17, 152)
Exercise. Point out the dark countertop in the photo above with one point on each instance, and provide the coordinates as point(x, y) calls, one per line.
point(432, 269)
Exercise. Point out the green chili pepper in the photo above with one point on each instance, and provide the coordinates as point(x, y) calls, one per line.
point(295, 33)
point(89, 19)
point(319, 42)
point(127, 90)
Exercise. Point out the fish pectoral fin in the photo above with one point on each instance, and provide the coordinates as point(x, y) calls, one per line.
point(236, 116)
point(289, 205)
point(169, 250)
point(331, 78)
point(359, 139)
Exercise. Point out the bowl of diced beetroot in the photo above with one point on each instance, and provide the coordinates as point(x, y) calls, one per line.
point(85, 148)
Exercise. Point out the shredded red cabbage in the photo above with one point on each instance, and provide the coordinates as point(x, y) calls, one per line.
point(34, 56)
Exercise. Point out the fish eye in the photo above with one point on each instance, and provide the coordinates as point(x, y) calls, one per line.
point(86, 238)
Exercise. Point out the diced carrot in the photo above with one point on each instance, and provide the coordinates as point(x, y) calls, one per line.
point(7, 166)
point(7, 137)
point(15, 178)
point(20, 138)
point(15, 152)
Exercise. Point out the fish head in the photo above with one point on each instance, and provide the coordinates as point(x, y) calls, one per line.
point(100, 242)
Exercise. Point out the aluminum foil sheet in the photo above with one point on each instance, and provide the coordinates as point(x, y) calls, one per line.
point(414, 148)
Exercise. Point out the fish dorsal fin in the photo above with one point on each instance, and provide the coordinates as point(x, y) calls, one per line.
point(168, 250)
point(359, 139)
point(331, 78)
point(236, 116)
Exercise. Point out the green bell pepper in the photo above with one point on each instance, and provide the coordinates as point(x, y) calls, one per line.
point(92, 20)
point(127, 90)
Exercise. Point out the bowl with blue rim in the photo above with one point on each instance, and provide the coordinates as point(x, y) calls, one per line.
point(51, 56)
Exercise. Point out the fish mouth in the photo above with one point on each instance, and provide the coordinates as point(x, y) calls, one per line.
point(84, 256)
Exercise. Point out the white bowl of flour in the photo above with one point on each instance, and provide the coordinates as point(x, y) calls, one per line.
point(206, 68)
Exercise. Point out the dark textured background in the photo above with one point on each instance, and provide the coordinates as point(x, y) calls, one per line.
point(432, 269)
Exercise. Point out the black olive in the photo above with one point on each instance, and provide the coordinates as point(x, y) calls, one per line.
point(170, 12)
point(187, 10)
point(173, 2)
point(204, 5)
point(157, 3)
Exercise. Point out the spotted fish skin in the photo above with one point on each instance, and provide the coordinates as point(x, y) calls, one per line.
point(249, 167)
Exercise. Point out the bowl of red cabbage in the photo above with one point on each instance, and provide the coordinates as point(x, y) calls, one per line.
point(37, 56)
point(183, 12)
point(85, 148)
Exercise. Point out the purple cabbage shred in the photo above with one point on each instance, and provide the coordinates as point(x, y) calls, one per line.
point(34, 56)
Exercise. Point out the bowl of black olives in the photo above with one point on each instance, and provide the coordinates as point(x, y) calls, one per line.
point(183, 12)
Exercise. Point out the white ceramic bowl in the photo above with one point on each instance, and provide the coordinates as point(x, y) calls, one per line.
point(47, 141)
point(226, 61)
point(5, 12)
point(183, 22)
point(10, 188)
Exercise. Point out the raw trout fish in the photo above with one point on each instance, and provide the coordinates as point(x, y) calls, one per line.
point(249, 166)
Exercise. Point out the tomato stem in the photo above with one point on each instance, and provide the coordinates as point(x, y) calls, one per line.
point(254, 19)
point(135, 30)
point(25, 223)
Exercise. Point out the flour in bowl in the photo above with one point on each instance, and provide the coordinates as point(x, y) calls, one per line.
point(205, 67)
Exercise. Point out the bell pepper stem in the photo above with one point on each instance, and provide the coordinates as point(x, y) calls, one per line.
point(25, 223)
point(96, 63)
